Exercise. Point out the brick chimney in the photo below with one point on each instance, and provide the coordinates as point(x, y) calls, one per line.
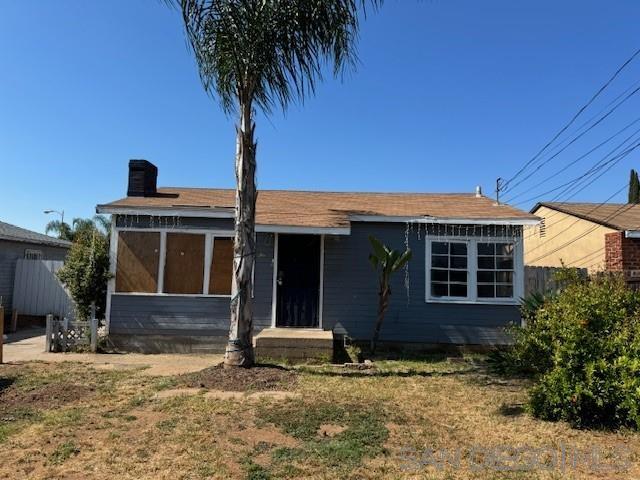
point(143, 176)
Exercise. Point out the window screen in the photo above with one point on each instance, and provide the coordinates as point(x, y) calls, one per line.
point(448, 269)
point(137, 263)
point(184, 263)
point(221, 266)
point(495, 270)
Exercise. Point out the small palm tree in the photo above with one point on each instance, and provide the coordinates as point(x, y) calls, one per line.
point(266, 54)
point(385, 261)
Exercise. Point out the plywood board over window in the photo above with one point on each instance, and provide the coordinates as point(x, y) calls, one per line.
point(221, 267)
point(138, 258)
point(184, 264)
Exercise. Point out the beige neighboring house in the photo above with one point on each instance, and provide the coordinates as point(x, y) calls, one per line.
point(586, 235)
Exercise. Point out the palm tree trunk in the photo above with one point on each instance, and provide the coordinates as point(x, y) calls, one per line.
point(383, 303)
point(239, 350)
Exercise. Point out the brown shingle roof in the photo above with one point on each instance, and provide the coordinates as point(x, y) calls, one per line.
point(619, 216)
point(331, 209)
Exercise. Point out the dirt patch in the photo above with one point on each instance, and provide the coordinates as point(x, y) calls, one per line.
point(330, 430)
point(45, 397)
point(258, 378)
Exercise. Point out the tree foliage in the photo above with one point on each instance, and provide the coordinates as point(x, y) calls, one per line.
point(634, 187)
point(270, 52)
point(68, 232)
point(86, 270)
point(386, 261)
point(582, 347)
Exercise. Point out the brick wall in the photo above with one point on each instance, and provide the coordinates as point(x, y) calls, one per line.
point(613, 251)
point(622, 254)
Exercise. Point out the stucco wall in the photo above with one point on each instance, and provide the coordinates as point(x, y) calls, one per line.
point(572, 240)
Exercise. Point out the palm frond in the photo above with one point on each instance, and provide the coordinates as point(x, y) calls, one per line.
point(271, 52)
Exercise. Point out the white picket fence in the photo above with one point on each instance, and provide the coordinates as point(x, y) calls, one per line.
point(67, 335)
point(38, 291)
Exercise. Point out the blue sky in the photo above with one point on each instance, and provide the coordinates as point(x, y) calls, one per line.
point(449, 94)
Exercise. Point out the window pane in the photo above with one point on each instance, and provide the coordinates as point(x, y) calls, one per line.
point(504, 249)
point(486, 291)
point(221, 266)
point(457, 290)
point(440, 247)
point(504, 277)
point(504, 291)
point(458, 276)
point(458, 262)
point(458, 249)
point(504, 263)
point(439, 289)
point(486, 263)
point(439, 275)
point(184, 264)
point(439, 261)
point(137, 262)
point(486, 249)
point(486, 277)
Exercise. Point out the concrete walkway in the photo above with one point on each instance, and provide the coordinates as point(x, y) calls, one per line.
point(29, 345)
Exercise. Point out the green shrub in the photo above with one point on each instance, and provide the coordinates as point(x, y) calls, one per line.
point(86, 271)
point(583, 347)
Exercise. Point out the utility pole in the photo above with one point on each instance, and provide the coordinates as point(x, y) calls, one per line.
point(499, 186)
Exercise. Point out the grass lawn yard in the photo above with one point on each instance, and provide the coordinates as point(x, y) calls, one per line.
point(69, 420)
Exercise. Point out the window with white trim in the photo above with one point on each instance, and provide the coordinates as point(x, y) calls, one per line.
point(177, 262)
point(449, 275)
point(495, 270)
point(470, 270)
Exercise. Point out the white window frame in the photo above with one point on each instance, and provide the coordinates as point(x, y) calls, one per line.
point(472, 268)
point(209, 236)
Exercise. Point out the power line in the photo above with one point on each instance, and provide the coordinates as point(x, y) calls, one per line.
point(573, 119)
point(582, 235)
point(568, 186)
point(601, 144)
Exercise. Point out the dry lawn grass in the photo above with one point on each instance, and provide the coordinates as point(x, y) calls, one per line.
point(378, 423)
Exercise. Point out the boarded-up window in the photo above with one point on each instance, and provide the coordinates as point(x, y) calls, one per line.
point(184, 264)
point(221, 267)
point(137, 265)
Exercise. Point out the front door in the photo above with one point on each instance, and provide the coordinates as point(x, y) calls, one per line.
point(298, 281)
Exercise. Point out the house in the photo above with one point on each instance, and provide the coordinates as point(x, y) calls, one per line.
point(171, 252)
point(15, 243)
point(594, 236)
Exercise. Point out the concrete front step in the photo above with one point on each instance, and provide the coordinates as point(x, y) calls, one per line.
point(294, 343)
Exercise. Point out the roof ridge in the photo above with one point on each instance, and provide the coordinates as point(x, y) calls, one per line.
point(339, 192)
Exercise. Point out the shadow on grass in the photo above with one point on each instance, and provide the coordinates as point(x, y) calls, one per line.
point(513, 410)
point(6, 383)
point(375, 373)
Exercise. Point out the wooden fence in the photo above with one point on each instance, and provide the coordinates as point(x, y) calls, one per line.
point(541, 279)
point(38, 291)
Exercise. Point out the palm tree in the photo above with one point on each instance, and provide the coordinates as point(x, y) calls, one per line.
point(385, 261)
point(79, 225)
point(265, 54)
point(62, 229)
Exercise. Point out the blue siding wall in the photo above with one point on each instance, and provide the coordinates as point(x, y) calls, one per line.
point(201, 316)
point(350, 295)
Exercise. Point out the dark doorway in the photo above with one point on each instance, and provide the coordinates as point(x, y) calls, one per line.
point(298, 281)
